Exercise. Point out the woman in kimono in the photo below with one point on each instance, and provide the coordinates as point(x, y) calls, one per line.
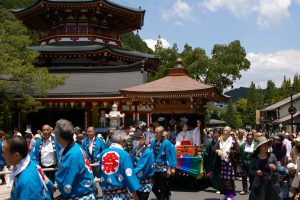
point(262, 167)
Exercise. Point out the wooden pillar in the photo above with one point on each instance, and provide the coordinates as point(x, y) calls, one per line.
point(85, 118)
point(148, 119)
point(136, 113)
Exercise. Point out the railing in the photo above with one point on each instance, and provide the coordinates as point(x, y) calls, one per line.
point(78, 32)
point(45, 169)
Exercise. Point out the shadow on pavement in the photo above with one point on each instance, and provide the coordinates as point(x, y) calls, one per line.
point(188, 183)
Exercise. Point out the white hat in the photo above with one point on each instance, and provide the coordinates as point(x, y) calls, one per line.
point(132, 129)
point(131, 133)
point(28, 131)
point(161, 119)
point(37, 136)
point(291, 166)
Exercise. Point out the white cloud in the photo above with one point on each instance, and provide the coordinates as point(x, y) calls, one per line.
point(238, 8)
point(271, 66)
point(269, 12)
point(152, 42)
point(181, 11)
point(178, 23)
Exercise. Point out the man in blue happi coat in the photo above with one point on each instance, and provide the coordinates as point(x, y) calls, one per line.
point(143, 165)
point(74, 178)
point(46, 152)
point(165, 164)
point(93, 146)
point(29, 180)
point(116, 170)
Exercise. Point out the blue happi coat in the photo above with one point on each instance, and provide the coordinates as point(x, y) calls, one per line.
point(2, 160)
point(144, 166)
point(116, 169)
point(32, 184)
point(99, 146)
point(165, 156)
point(35, 153)
point(74, 177)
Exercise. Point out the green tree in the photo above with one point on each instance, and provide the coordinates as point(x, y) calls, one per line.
point(196, 61)
point(284, 90)
point(252, 104)
point(167, 57)
point(241, 107)
point(220, 71)
point(211, 112)
point(17, 3)
point(296, 83)
point(227, 62)
point(134, 42)
point(270, 93)
point(18, 77)
point(231, 116)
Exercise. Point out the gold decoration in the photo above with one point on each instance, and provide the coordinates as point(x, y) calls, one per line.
point(105, 104)
point(94, 104)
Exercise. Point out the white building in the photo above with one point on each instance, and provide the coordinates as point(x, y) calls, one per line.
point(277, 115)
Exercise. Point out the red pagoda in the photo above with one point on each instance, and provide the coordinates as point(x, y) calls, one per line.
point(81, 39)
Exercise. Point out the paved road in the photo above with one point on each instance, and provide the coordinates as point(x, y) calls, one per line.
point(182, 191)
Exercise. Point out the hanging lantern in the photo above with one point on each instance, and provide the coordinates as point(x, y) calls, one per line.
point(82, 104)
point(50, 104)
point(105, 104)
point(72, 104)
point(61, 104)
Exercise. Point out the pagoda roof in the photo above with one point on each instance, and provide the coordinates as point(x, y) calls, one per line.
point(96, 84)
point(89, 48)
point(176, 85)
point(39, 15)
point(108, 2)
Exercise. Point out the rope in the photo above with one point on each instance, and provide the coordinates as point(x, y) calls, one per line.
point(44, 169)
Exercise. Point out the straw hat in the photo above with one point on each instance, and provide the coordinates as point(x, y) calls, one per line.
point(291, 166)
point(37, 136)
point(262, 140)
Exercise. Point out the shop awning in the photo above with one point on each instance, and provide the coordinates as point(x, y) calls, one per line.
point(286, 118)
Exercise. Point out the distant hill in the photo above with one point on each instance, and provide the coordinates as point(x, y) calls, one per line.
point(238, 93)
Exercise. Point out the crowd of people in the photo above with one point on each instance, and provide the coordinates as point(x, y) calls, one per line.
point(265, 163)
point(130, 164)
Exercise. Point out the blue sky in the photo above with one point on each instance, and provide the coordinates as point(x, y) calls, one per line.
point(269, 30)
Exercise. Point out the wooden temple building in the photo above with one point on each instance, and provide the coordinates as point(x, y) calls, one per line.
point(81, 39)
point(175, 96)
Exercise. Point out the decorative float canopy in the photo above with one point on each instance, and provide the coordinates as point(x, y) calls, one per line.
point(175, 93)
